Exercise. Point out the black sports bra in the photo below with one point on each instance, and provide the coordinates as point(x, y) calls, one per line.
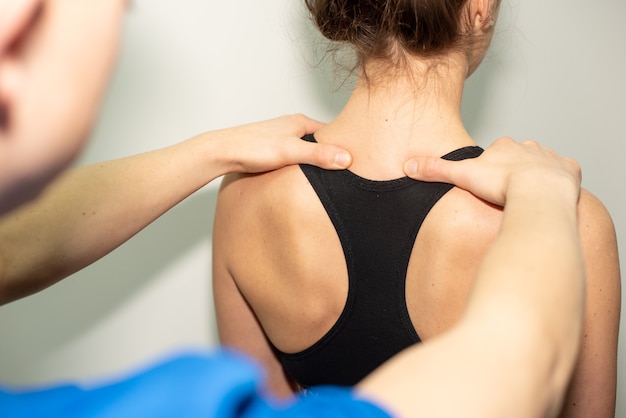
point(377, 223)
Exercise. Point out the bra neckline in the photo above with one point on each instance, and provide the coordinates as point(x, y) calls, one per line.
point(465, 152)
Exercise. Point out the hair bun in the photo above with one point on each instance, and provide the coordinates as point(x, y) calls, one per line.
point(374, 27)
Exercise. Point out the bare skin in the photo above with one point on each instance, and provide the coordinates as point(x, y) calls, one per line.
point(39, 138)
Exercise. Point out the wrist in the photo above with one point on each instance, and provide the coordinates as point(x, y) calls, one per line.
point(544, 184)
point(212, 153)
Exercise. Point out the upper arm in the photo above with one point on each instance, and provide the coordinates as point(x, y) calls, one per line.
point(239, 329)
point(592, 391)
point(238, 326)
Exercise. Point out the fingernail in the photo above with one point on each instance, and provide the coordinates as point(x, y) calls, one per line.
point(410, 168)
point(343, 159)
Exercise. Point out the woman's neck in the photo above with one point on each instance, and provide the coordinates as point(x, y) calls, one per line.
point(388, 120)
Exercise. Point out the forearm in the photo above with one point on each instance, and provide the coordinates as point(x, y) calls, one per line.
point(528, 299)
point(91, 210)
point(536, 260)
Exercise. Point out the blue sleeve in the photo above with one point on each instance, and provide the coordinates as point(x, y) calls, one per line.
point(220, 385)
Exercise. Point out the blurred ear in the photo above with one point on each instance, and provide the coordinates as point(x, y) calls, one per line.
point(481, 13)
point(15, 17)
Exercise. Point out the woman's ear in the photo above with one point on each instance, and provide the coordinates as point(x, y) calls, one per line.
point(481, 13)
point(15, 19)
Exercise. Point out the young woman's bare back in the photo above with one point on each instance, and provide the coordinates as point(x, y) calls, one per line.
point(280, 273)
point(284, 254)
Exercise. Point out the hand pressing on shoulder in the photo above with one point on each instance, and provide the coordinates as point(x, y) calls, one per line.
point(505, 166)
point(273, 144)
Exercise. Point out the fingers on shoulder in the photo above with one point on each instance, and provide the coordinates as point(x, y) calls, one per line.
point(431, 169)
point(305, 124)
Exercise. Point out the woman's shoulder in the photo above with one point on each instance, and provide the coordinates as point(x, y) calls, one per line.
point(261, 200)
point(598, 239)
point(255, 189)
point(461, 214)
point(467, 226)
point(594, 217)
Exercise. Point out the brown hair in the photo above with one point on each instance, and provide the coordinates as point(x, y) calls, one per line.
point(377, 28)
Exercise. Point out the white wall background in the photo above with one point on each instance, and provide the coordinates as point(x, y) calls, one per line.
point(555, 73)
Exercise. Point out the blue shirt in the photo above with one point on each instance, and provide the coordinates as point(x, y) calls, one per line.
point(220, 384)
